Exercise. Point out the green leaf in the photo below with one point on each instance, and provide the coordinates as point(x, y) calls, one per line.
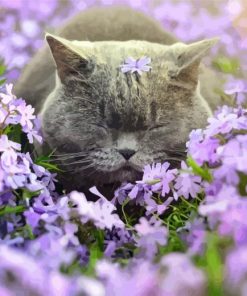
point(242, 184)
point(42, 158)
point(28, 194)
point(45, 162)
point(197, 170)
point(49, 166)
point(2, 81)
point(15, 133)
point(214, 266)
point(99, 236)
point(27, 228)
point(12, 210)
point(7, 130)
point(227, 65)
point(2, 69)
point(95, 254)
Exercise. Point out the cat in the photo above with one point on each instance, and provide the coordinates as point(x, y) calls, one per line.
point(105, 125)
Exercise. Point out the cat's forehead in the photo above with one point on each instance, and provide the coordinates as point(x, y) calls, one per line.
point(119, 49)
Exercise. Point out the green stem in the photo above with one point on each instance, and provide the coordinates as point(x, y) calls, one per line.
point(188, 203)
point(124, 214)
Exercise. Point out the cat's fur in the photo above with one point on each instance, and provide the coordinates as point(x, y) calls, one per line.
point(102, 114)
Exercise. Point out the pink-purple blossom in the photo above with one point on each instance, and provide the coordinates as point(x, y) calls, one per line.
point(136, 65)
point(186, 183)
point(151, 234)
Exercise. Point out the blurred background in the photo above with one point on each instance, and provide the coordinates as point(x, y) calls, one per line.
point(23, 23)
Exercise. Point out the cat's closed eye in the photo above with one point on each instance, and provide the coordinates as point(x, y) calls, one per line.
point(156, 127)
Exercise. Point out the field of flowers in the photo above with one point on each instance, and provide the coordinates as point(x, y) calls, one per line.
point(188, 234)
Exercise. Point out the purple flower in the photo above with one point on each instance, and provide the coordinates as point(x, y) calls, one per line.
point(186, 183)
point(7, 145)
point(122, 192)
point(136, 65)
point(150, 233)
point(104, 217)
point(216, 205)
point(8, 97)
point(181, 277)
point(50, 250)
point(227, 210)
point(238, 88)
point(233, 222)
point(141, 192)
point(236, 271)
point(234, 154)
point(26, 113)
point(84, 208)
point(159, 177)
point(140, 279)
point(26, 273)
point(32, 218)
point(69, 236)
point(225, 121)
point(194, 234)
point(100, 212)
point(115, 239)
point(16, 111)
point(202, 149)
point(152, 207)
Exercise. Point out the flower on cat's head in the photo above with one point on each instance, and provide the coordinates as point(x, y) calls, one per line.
point(136, 65)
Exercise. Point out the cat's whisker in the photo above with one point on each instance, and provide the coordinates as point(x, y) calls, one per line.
point(67, 158)
point(77, 170)
point(173, 159)
point(69, 154)
point(95, 170)
point(175, 151)
point(76, 162)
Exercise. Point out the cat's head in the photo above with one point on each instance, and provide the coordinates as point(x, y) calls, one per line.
point(107, 124)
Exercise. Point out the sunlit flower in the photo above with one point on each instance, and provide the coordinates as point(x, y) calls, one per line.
point(136, 65)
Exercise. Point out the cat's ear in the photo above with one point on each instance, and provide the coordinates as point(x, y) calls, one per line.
point(69, 61)
point(187, 59)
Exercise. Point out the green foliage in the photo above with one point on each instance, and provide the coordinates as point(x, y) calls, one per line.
point(2, 71)
point(96, 252)
point(214, 265)
point(11, 210)
point(28, 194)
point(45, 161)
point(242, 184)
point(204, 172)
point(227, 65)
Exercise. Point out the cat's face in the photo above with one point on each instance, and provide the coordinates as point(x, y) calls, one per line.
point(107, 125)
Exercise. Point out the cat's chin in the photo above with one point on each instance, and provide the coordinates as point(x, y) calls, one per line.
point(124, 174)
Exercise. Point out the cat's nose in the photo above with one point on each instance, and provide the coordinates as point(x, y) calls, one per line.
point(127, 153)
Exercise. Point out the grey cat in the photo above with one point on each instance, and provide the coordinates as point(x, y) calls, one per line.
point(104, 124)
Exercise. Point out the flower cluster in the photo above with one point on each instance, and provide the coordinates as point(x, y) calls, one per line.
point(174, 232)
point(17, 169)
point(166, 184)
point(225, 200)
point(67, 232)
